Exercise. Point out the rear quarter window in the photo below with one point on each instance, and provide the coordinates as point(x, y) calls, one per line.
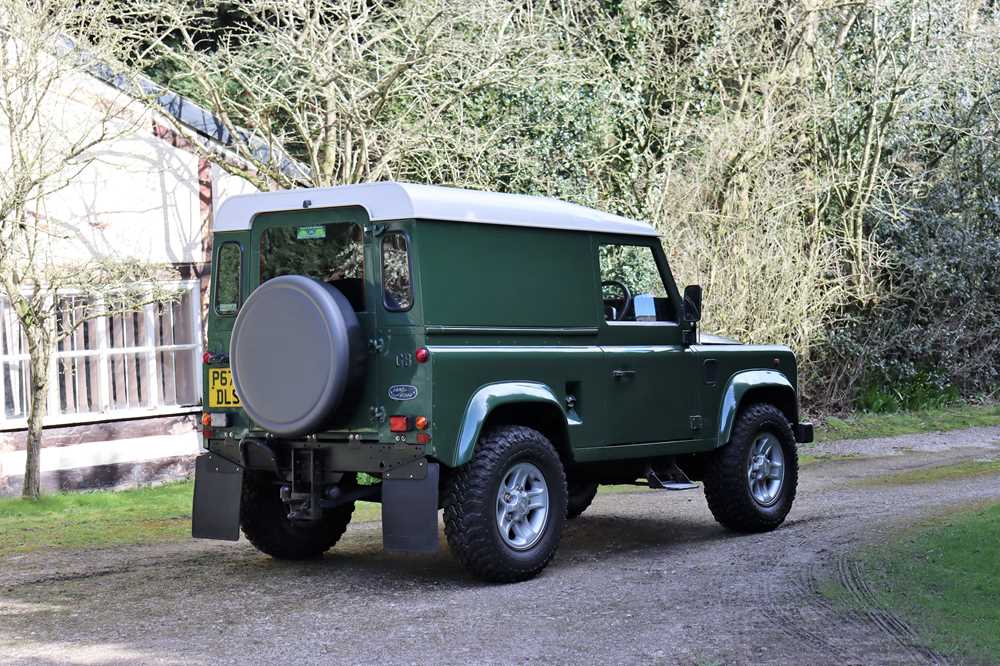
point(397, 291)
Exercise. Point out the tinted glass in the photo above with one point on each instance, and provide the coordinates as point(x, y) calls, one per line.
point(331, 253)
point(227, 279)
point(398, 293)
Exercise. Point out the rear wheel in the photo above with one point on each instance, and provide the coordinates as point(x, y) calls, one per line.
point(581, 494)
point(504, 510)
point(750, 483)
point(264, 519)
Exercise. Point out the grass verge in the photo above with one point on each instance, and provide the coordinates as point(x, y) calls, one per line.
point(943, 579)
point(963, 470)
point(103, 519)
point(866, 425)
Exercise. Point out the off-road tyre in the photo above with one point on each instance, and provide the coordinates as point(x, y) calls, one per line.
point(265, 523)
point(580, 495)
point(470, 503)
point(726, 485)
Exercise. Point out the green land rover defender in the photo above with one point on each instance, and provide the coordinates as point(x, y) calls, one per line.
point(494, 355)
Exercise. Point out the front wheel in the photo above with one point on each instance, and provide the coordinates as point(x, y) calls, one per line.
point(750, 482)
point(504, 511)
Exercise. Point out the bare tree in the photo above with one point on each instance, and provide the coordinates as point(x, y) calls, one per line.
point(53, 116)
point(350, 88)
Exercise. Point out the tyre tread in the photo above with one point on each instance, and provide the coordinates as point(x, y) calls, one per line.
point(468, 506)
point(725, 485)
point(261, 521)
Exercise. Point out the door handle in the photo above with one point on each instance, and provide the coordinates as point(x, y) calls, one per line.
point(622, 374)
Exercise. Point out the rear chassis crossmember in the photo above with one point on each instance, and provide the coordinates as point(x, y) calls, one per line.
point(307, 476)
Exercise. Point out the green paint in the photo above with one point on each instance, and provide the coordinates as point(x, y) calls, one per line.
point(514, 320)
point(488, 398)
point(746, 382)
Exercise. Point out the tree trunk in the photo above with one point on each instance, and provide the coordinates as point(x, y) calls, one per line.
point(38, 352)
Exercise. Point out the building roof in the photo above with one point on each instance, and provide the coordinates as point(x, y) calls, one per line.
point(400, 201)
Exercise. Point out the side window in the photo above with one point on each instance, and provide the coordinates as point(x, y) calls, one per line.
point(631, 286)
point(227, 278)
point(396, 288)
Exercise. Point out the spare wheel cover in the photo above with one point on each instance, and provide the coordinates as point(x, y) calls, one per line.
point(293, 352)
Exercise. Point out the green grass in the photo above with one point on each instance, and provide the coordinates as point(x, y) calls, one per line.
point(943, 579)
point(867, 425)
point(103, 519)
point(808, 459)
point(81, 520)
point(963, 470)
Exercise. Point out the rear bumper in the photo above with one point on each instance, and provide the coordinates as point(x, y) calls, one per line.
point(803, 432)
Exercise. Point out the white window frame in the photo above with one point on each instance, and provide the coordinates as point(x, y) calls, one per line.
point(149, 349)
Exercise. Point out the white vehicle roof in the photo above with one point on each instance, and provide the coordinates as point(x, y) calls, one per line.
point(400, 201)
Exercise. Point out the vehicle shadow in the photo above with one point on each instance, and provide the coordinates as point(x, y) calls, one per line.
point(586, 540)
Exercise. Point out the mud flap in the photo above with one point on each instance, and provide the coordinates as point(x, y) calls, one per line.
point(218, 485)
point(409, 513)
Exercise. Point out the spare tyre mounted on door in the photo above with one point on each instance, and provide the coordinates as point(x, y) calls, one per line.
point(296, 348)
point(296, 351)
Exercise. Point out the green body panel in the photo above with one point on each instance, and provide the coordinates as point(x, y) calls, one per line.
point(737, 388)
point(492, 275)
point(513, 316)
point(488, 398)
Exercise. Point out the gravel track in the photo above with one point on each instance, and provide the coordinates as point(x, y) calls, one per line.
point(641, 577)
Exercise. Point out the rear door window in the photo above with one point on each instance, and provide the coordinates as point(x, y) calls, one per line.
point(332, 253)
point(227, 278)
point(396, 288)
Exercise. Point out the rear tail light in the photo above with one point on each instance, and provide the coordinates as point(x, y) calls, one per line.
point(423, 437)
point(214, 420)
point(421, 423)
point(422, 355)
point(400, 424)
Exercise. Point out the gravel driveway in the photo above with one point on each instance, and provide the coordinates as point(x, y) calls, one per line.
point(644, 577)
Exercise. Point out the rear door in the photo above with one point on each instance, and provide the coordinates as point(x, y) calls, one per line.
point(328, 245)
point(651, 390)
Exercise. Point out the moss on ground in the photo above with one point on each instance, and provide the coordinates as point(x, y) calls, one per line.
point(942, 578)
point(866, 426)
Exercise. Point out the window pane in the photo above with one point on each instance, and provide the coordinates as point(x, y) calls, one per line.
point(181, 316)
point(227, 279)
point(127, 381)
point(127, 330)
point(78, 380)
point(332, 253)
point(633, 266)
point(396, 287)
point(175, 372)
point(15, 389)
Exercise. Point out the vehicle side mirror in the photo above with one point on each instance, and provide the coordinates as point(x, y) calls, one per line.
point(692, 302)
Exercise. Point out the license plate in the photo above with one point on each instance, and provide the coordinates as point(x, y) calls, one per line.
point(221, 390)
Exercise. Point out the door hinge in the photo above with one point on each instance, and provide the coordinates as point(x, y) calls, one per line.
point(695, 422)
point(376, 345)
point(377, 413)
point(377, 230)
